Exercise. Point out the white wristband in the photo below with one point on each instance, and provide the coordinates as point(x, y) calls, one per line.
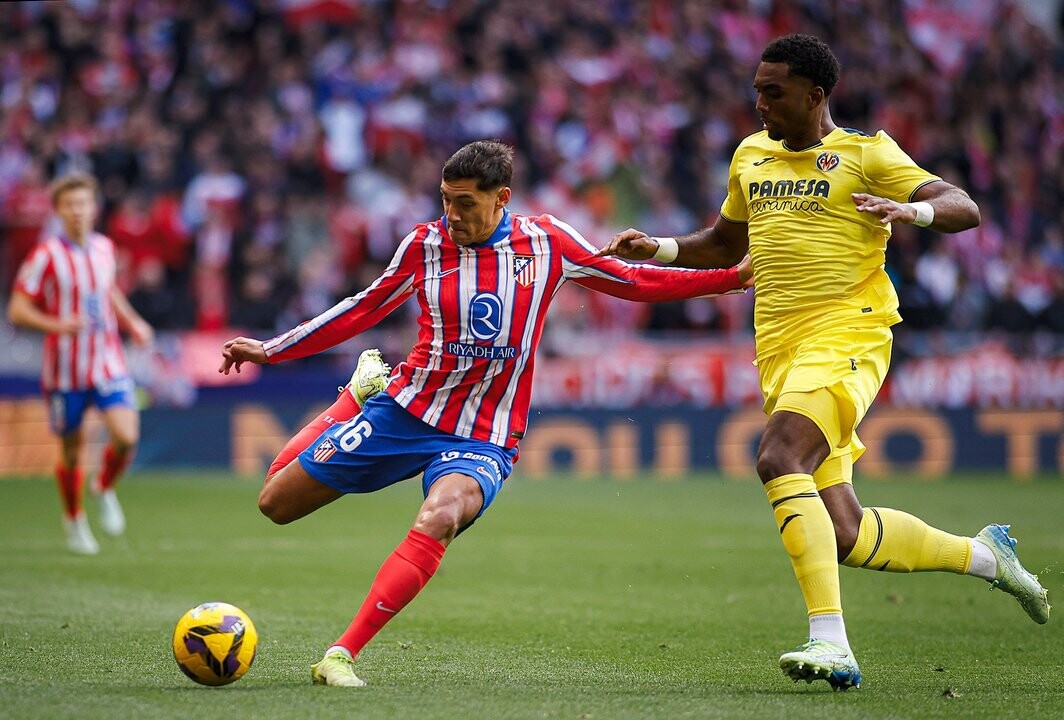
point(667, 250)
point(925, 214)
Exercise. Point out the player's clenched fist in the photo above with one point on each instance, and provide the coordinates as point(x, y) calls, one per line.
point(630, 245)
point(240, 350)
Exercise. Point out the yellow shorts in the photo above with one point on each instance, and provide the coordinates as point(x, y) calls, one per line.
point(832, 380)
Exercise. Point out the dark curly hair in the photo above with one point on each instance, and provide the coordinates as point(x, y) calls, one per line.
point(488, 162)
point(807, 56)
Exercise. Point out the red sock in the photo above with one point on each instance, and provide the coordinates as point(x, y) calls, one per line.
point(70, 484)
point(400, 579)
point(343, 409)
point(113, 467)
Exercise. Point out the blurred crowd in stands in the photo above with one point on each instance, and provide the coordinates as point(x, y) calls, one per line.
point(260, 160)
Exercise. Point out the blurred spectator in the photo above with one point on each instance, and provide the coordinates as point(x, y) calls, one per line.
point(968, 310)
point(24, 212)
point(287, 146)
point(1008, 314)
point(1052, 317)
point(163, 306)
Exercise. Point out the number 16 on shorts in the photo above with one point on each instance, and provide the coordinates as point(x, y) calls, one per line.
point(353, 433)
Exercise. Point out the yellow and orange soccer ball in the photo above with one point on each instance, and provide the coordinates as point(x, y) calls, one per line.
point(214, 643)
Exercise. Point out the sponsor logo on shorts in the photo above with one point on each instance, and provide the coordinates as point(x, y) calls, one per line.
point(490, 461)
point(324, 451)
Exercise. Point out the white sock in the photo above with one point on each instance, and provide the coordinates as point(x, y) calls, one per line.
point(338, 649)
point(828, 627)
point(983, 564)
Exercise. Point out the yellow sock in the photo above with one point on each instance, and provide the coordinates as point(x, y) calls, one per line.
point(809, 537)
point(895, 541)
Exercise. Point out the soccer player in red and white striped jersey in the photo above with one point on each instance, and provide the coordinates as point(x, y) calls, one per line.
point(66, 289)
point(456, 409)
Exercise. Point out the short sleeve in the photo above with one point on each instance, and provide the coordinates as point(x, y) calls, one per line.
point(890, 172)
point(734, 207)
point(32, 272)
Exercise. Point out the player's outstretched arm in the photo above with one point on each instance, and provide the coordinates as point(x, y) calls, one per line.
point(240, 350)
point(721, 246)
point(938, 205)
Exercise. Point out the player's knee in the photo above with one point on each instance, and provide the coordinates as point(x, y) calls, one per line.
point(271, 506)
point(773, 462)
point(124, 442)
point(444, 514)
point(439, 520)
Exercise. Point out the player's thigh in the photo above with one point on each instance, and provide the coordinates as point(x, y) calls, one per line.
point(831, 381)
point(791, 443)
point(292, 493)
point(123, 424)
point(118, 405)
point(66, 410)
point(488, 465)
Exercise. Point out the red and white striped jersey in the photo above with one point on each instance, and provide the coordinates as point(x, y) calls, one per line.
point(482, 314)
point(75, 281)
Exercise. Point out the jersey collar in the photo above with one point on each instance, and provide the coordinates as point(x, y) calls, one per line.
point(817, 144)
point(69, 242)
point(502, 230)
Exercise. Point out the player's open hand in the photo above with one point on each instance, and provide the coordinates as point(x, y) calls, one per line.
point(240, 350)
point(886, 210)
point(630, 245)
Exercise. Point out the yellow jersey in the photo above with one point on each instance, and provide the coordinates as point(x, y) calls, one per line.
point(818, 263)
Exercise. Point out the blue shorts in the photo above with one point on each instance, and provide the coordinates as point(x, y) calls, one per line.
point(66, 409)
point(385, 444)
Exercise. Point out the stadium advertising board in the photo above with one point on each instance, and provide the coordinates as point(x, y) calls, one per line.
point(245, 435)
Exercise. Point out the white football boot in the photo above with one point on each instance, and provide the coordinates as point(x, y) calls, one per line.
point(112, 519)
point(79, 535)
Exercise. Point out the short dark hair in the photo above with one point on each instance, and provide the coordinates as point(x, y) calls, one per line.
point(807, 56)
point(75, 180)
point(488, 162)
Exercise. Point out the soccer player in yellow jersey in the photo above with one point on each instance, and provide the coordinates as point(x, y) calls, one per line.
point(813, 203)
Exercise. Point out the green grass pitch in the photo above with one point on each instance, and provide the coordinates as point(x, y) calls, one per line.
point(569, 599)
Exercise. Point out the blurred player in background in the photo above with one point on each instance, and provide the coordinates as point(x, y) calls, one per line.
point(456, 409)
point(812, 203)
point(66, 289)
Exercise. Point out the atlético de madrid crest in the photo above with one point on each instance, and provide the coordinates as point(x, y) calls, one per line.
point(525, 269)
